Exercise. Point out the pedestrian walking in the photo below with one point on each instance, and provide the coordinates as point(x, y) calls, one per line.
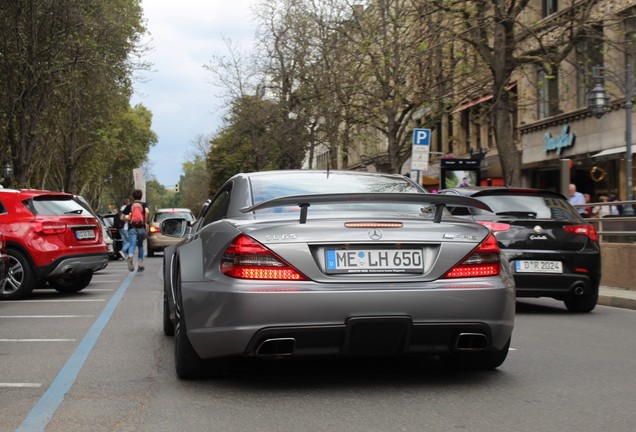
point(136, 214)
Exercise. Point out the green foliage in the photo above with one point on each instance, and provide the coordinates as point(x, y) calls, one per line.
point(257, 136)
point(66, 69)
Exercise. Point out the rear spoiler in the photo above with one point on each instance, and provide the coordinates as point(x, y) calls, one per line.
point(304, 201)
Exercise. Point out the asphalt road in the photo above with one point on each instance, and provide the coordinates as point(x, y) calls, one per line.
point(98, 361)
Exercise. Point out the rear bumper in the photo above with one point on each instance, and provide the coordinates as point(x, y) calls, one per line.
point(74, 264)
point(557, 286)
point(345, 322)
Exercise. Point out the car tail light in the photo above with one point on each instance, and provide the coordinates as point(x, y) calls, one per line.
point(49, 228)
point(153, 229)
point(587, 230)
point(483, 261)
point(495, 226)
point(245, 258)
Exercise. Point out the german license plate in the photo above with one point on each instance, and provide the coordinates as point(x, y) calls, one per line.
point(537, 266)
point(84, 234)
point(374, 261)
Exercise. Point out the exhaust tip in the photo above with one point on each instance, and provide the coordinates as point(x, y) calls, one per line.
point(278, 347)
point(579, 290)
point(471, 341)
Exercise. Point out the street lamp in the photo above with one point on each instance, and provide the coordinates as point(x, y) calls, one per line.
point(598, 102)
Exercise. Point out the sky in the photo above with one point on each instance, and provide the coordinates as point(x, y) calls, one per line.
point(183, 37)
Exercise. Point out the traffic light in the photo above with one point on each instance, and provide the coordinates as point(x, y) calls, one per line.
point(176, 187)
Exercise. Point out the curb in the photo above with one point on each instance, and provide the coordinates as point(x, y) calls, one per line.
point(619, 302)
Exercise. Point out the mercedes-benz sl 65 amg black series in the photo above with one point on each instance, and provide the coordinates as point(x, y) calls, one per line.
point(292, 264)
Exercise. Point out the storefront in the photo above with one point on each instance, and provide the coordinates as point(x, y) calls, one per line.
point(596, 148)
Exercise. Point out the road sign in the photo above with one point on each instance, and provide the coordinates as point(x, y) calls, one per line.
point(421, 137)
point(421, 149)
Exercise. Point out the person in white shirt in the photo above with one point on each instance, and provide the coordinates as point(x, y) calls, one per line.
point(576, 198)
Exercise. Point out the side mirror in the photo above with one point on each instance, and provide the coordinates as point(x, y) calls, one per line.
point(174, 227)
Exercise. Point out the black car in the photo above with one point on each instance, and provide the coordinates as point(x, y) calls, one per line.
point(551, 249)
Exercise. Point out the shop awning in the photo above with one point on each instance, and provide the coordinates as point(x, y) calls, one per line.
point(612, 151)
point(463, 106)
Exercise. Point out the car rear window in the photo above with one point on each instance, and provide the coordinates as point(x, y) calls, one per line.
point(168, 215)
point(54, 206)
point(538, 207)
point(265, 188)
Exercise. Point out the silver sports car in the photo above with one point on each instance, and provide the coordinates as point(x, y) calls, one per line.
point(302, 263)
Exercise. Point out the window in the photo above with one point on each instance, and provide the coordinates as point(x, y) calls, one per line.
point(218, 208)
point(547, 93)
point(589, 53)
point(548, 7)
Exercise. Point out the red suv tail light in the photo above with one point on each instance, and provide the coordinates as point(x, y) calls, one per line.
point(153, 229)
point(49, 228)
point(245, 258)
point(588, 230)
point(483, 261)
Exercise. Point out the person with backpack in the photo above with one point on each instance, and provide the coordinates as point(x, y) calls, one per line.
point(136, 213)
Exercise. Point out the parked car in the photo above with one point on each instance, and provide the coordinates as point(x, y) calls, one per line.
point(108, 239)
point(289, 264)
point(552, 250)
point(50, 237)
point(156, 241)
point(4, 264)
point(109, 221)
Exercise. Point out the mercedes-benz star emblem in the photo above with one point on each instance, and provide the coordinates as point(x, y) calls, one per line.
point(538, 229)
point(375, 234)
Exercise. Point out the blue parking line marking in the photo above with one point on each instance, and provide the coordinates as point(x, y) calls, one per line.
point(44, 410)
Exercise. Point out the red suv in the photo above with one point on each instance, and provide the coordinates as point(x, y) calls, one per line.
point(51, 238)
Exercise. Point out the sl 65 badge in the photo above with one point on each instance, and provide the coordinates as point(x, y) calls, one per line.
point(460, 236)
point(276, 237)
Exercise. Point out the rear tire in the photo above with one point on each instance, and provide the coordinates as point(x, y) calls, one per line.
point(72, 283)
point(20, 280)
point(479, 360)
point(151, 253)
point(582, 303)
point(187, 362)
point(168, 325)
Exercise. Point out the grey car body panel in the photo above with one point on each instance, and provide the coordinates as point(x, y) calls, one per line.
point(224, 315)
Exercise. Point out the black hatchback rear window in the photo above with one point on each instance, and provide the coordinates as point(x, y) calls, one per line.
point(55, 206)
point(531, 206)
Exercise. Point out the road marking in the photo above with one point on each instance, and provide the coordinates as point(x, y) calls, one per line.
point(21, 385)
point(46, 316)
point(43, 411)
point(55, 300)
point(98, 289)
point(37, 340)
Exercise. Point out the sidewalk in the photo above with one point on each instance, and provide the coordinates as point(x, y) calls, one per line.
point(617, 297)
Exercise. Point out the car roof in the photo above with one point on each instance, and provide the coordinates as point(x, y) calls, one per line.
point(502, 190)
point(173, 210)
point(30, 193)
point(315, 172)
